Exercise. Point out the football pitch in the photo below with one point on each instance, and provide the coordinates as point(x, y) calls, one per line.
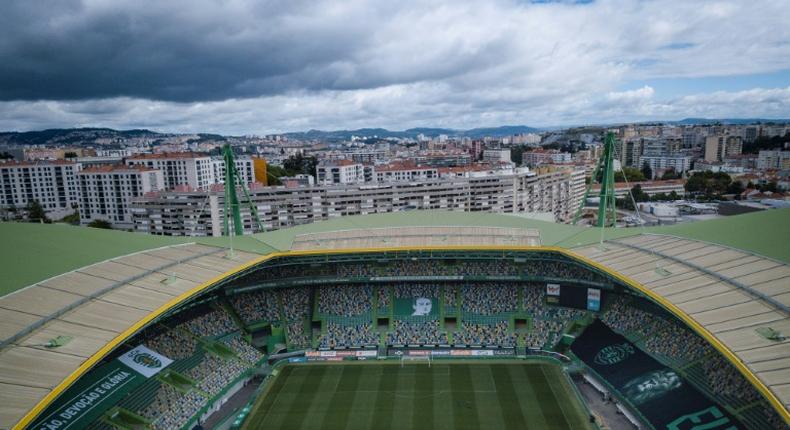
point(481, 395)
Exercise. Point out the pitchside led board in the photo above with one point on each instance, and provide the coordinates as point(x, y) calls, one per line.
point(103, 387)
point(574, 297)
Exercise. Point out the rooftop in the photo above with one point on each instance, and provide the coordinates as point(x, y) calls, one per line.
point(40, 251)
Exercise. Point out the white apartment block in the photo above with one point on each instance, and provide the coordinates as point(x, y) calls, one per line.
point(558, 192)
point(395, 172)
point(496, 156)
point(52, 183)
point(678, 163)
point(244, 166)
point(340, 172)
point(179, 168)
point(776, 159)
point(535, 158)
point(106, 192)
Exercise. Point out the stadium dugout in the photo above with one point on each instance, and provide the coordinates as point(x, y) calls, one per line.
point(73, 295)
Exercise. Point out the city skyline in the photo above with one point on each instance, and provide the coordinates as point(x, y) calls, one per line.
point(245, 68)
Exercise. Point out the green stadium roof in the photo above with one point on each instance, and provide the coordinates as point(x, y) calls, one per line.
point(33, 252)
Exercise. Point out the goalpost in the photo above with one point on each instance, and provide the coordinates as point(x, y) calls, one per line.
point(415, 358)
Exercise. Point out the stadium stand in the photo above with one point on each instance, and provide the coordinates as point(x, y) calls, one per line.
point(730, 293)
point(257, 306)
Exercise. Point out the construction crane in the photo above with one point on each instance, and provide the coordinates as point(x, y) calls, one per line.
point(232, 205)
point(607, 215)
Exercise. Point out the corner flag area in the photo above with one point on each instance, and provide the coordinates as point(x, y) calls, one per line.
point(490, 395)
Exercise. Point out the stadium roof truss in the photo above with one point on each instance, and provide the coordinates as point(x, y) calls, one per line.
point(723, 294)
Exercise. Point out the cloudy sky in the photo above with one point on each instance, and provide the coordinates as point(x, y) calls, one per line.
point(253, 67)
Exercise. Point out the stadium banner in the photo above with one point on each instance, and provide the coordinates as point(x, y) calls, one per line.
point(593, 299)
point(656, 391)
point(553, 289)
point(89, 397)
point(417, 306)
point(145, 361)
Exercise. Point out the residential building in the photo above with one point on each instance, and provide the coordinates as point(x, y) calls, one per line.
point(297, 180)
point(190, 169)
point(662, 163)
point(629, 151)
point(340, 172)
point(542, 156)
point(555, 191)
point(106, 192)
point(719, 147)
point(245, 166)
point(494, 156)
point(53, 184)
point(403, 171)
point(776, 159)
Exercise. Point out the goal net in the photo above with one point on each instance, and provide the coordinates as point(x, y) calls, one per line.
point(415, 359)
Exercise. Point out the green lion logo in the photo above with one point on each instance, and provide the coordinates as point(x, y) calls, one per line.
point(613, 354)
point(147, 360)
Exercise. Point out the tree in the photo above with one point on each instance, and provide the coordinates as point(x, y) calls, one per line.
point(36, 212)
point(6, 156)
point(70, 154)
point(647, 171)
point(275, 173)
point(708, 183)
point(100, 223)
point(627, 174)
point(736, 187)
point(671, 174)
point(299, 164)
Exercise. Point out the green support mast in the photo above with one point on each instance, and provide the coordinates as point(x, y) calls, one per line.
point(232, 200)
point(607, 214)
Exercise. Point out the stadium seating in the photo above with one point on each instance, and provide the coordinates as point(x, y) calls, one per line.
point(485, 334)
point(686, 352)
point(345, 301)
point(416, 333)
point(489, 298)
point(257, 306)
point(346, 336)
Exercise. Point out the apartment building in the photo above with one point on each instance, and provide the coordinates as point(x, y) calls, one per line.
point(719, 147)
point(340, 172)
point(403, 171)
point(107, 191)
point(244, 166)
point(538, 157)
point(51, 183)
point(555, 191)
point(776, 159)
point(662, 163)
point(179, 168)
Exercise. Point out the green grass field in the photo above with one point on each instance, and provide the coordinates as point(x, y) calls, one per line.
point(483, 395)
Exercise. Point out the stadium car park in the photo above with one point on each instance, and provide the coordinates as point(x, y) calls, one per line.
point(458, 336)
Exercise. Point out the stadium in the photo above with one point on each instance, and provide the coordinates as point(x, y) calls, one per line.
point(408, 320)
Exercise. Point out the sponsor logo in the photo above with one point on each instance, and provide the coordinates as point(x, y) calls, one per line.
point(145, 361)
point(613, 354)
point(553, 289)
